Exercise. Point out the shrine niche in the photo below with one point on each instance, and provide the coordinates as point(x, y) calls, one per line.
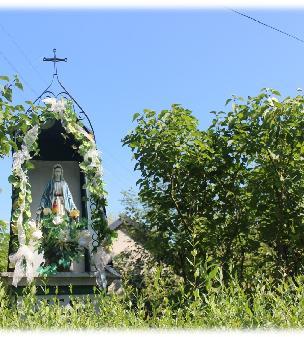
point(59, 228)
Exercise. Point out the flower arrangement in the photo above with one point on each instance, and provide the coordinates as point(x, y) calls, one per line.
point(90, 166)
point(62, 241)
point(53, 225)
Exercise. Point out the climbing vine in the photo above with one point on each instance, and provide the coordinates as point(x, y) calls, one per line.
point(19, 132)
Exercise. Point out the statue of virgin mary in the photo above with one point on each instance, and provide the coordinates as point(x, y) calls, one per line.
point(57, 195)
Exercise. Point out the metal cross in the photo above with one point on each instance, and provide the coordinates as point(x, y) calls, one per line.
point(54, 59)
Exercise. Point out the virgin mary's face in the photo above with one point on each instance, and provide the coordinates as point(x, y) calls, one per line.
point(57, 174)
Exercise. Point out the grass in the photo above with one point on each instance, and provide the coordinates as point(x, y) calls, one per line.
point(4, 241)
point(159, 299)
point(265, 306)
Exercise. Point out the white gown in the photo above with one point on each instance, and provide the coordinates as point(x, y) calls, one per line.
point(58, 199)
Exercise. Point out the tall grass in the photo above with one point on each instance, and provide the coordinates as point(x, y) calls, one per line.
point(156, 306)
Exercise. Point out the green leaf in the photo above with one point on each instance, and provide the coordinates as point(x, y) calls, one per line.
point(12, 179)
point(4, 78)
point(2, 224)
point(276, 92)
point(213, 273)
point(29, 165)
point(7, 93)
point(19, 85)
point(228, 101)
point(194, 252)
point(135, 116)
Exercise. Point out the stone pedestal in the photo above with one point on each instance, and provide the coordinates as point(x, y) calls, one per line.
point(61, 285)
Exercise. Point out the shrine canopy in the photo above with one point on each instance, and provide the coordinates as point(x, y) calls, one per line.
point(58, 220)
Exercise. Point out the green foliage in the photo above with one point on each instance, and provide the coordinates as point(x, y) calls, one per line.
point(165, 147)
point(14, 127)
point(4, 240)
point(12, 118)
point(233, 192)
point(164, 303)
point(91, 168)
point(60, 243)
point(14, 123)
point(266, 141)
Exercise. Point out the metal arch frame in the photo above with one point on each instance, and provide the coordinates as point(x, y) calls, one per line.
point(48, 93)
point(65, 92)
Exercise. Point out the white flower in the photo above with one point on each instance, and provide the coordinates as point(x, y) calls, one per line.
point(19, 158)
point(92, 154)
point(271, 100)
point(31, 136)
point(32, 224)
point(101, 258)
point(84, 238)
point(56, 106)
point(57, 220)
point(60, 106)
point(37, 234)
point(96, 180)
point(64, 236)
point(273, 156)
point(89, 136)
point(24, 254)
point(99, 172)
point(49, 100)
point(94, 165)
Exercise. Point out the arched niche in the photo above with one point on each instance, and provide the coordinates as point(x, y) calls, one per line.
point(56, 146)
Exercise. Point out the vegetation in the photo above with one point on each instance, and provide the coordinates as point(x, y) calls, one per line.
point(159, 305)
point(19, 133)
point(60, 241)
point(232, 193)
point(13, 120)
point(220, 209)
point(4, 240)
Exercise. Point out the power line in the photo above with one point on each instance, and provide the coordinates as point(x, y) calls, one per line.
point(16, 71)
point(266, 25)
point(22, 52)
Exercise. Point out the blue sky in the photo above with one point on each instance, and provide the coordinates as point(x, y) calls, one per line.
point(123, 61)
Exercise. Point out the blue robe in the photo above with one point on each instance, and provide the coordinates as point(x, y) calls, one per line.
point(48, 196)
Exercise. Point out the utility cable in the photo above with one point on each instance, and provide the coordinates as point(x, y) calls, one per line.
point(17, 72)
point(266, 25)
point(22, 52)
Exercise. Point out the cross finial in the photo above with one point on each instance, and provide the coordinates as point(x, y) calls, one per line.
point(54, 59)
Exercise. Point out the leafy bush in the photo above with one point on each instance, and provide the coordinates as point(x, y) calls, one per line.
point(231, 193)
point(163, 305)
point(4, 240)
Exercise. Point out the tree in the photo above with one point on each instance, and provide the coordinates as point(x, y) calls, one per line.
point(14, 122)
point(178, 165)
point(268, 135)
point(232, 193)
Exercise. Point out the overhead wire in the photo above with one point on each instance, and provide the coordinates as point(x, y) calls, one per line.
point(31, 65)
point(115, 159)
point(14, 68)
point(258, 22)
point(24, 81)
point(6, 59)
point(22, 52)
point(266, 25)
